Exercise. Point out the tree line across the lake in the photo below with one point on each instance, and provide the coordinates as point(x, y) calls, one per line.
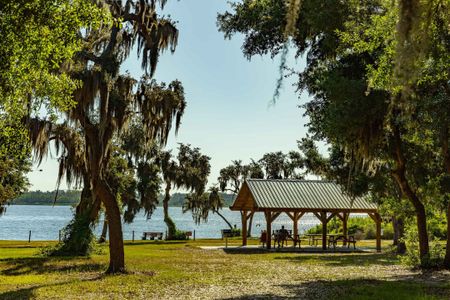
point(72, 197)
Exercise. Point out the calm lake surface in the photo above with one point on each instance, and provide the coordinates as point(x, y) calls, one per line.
point(46, 221)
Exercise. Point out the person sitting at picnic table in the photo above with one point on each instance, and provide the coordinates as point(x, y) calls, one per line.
point(281, 236)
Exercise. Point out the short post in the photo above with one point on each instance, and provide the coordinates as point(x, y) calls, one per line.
point(194, 234)
point(132, 236)
point(226, 241)
point(59, 235)
point(29, 236)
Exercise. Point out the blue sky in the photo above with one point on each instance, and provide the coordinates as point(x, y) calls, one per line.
point(228, 114)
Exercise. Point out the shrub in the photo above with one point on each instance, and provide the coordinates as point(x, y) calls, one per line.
point(366, 227)
point(412, 255)
point(77, 239)
point(235, 232)
point(179, 235)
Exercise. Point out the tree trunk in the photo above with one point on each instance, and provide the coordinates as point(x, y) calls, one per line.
point(102, 237)
point(399, 233)
point(86, 213)
point(447, 246)
point(399, 175)
point(446, 155)
point(223, 218)
point(171, 227)
point(116, 250)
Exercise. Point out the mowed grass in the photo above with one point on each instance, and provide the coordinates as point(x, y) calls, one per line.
point(182, 270)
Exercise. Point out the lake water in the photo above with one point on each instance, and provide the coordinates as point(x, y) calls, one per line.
point(46, 221)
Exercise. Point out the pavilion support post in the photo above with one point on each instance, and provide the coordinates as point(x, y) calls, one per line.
point(322, 216)
point(377, 219)
point(295, 220)
point(323, 219)
point(268, 216)
point(244, 227)
point(295, 217)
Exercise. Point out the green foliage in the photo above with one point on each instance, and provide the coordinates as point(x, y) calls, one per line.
point(14, 162)
point(179, 235)
point(235, 232)
point(77, 239)
point(190, 171)
point(412, 257)
point(364, 227)
point(37, 38)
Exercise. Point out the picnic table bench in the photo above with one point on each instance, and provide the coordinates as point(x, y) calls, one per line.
point(333, 240)
point(152, 235)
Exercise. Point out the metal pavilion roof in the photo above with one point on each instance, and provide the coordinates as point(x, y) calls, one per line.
point(291, 194)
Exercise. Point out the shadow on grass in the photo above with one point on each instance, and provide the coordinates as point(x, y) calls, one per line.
point(42, 265)
point(28, 293)
point(245, 251)
point(345, 259)
point(397, 288)
point(154, 243)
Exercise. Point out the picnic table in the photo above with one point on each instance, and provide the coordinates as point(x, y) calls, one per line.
point(332, 240)
point(313, 239)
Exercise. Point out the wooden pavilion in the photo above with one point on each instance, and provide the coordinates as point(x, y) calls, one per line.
point(324, 199)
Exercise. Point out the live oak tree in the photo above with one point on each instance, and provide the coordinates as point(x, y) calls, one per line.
point(200, 205)
point(231, 178)
point(273, 165)
point(188, 171)
point(356, 95)
point(107, 100)
point(278, 165)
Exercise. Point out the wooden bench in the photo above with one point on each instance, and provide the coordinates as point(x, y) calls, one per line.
point(226, 233)
point(298, 240)
point(152, 235)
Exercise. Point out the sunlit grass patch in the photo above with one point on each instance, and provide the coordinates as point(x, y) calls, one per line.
point(174, 270)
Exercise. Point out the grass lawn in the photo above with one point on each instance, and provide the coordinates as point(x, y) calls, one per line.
point(181, 270)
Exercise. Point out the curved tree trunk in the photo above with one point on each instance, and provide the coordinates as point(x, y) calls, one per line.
point(102, 237)
point(446, 155)
point(249, 228)
point(447, 249)
point(171, 227)
point(400, 176)
point(116, 250)
point(223, 218)
point(86, 213)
